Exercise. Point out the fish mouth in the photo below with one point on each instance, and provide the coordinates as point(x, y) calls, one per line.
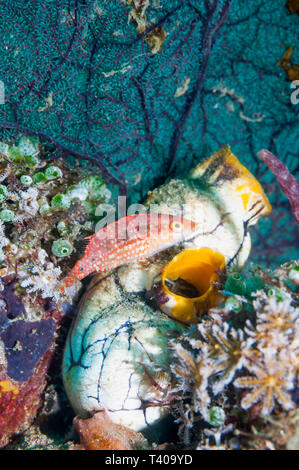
point(188, 283)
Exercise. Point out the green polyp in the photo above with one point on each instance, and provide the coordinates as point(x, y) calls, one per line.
point(60, 201)
point(53, 172)
point(293, 275)
point(94, 185)
point(28, 146)
point(77, 192)
point(43, 206)
point(3, 193)
point(279, 294)
point(62, 228)
point(233, 305)
point(271, 292)
point(216, 416)
point(26, 180)
point(90, 207)
point(61, 248)
point(39, 177)
point(7, 215)
point(15, 154)
point(235, 283)
point(4, 149)
point(31, 161)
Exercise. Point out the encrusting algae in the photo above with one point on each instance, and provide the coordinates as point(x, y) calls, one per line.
point(171, 317)
point(42, 201)
point(41, 221)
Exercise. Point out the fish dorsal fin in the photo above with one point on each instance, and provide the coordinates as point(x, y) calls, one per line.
point(93, 243)
point(226, 174)
point(84, 244)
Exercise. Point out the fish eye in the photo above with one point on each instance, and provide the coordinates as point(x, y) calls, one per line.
point(176, 226)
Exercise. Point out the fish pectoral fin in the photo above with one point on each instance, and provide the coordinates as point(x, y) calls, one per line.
point(81, 248)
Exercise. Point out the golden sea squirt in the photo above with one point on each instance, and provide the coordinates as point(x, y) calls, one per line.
point(198, 268)
point(224, 198)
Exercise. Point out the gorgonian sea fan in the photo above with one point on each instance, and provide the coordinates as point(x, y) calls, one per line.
point(144, 88)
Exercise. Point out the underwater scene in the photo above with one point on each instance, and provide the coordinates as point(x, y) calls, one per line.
point(149, 225)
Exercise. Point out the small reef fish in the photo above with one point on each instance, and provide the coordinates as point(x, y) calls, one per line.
point(130, 238)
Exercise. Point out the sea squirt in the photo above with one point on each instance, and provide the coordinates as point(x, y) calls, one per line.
point(117, 355)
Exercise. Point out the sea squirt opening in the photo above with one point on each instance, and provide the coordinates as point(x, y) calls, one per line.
point(188, 281)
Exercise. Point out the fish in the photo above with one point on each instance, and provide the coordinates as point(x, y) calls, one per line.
point(132, 238)
point(182, 288)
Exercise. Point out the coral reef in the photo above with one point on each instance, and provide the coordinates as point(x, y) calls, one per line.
point(245, 360)
point(222, 378)
point(144, 117)
point(40, 203)
point(129, 314)
point(143, 89)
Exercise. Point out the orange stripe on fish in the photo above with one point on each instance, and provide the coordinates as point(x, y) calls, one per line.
point(129, 239)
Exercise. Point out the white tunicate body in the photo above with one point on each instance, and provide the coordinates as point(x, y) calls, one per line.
point(114, 354)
